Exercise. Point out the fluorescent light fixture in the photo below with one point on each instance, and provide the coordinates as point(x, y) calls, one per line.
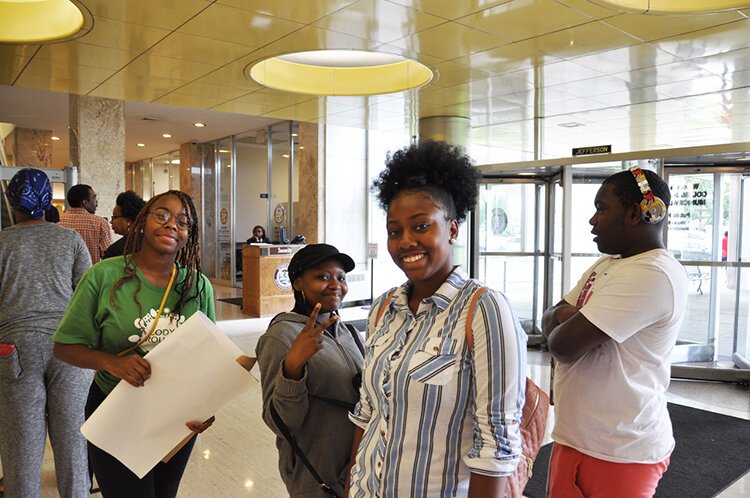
point(166, 135)
point(340, 72)
point(672, 6)
point(37, 21)
point(199, 125)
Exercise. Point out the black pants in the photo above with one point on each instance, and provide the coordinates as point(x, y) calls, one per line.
point(117, 481)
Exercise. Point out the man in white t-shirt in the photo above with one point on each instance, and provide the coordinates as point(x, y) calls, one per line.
point(611, 338)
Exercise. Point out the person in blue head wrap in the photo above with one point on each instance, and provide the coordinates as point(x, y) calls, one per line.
point(39, 393)
point(30, 192)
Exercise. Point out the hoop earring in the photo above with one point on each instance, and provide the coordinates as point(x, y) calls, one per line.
point(452, 240)
point(304, 299)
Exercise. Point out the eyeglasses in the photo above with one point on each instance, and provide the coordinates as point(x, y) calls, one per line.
point(163, 215)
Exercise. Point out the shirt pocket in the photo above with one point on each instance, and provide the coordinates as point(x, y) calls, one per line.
point(435, 361)
point(10, 366)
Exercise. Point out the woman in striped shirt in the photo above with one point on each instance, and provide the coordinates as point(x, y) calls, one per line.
point(437, 417)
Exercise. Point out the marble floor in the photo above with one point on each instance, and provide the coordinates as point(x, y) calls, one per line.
point(237, 456)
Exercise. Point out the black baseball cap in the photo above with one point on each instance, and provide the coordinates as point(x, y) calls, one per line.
point(313, 254)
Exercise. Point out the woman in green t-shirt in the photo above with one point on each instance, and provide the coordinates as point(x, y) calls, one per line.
point(125, 306)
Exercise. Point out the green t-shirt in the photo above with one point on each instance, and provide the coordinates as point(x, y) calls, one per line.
point(93, 320)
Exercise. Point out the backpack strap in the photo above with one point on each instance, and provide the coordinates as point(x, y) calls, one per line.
point(383, 306)
point(470, 315)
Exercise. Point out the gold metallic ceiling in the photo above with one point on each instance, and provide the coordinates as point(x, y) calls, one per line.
point(595, 76)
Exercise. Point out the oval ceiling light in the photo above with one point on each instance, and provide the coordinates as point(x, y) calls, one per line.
point(340, 73)
point(38, 21)
point(672, 6)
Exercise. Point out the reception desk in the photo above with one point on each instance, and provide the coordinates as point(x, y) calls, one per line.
point(266, 289)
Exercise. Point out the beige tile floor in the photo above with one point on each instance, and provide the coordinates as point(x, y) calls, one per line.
point(237, 456)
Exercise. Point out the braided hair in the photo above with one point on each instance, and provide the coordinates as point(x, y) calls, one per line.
point(189, 256)
point(442, 171)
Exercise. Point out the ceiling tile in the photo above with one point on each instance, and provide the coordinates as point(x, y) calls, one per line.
point(310, 38)
point(706, 42)
point(238, 26)
point(165, 15)
point(302, 12)
point(137, 86)
point(506, 58)
point(450, 9)
point(522, 19)
point(564, 72)
point(588, 8)
point(79, 53)
point(222, 93)
point(194, 48)
point(591, 87)
point(581, 40)
point(624, 59)
point(694, 86)
point(133, 38)
point(167, 67)
point(10, 67)
point(448, 41)
point(663, 74)
point(648, 27)
point(378, 20)
point(231, 75)
point(451, 74)
point(196, 101)
point(50, 69)
point(308, 110)
point(55, 83)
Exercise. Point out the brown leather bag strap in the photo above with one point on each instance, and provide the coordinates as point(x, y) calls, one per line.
point(383, 306)
point(470, 315)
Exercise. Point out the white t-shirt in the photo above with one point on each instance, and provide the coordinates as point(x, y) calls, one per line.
point(610, 403)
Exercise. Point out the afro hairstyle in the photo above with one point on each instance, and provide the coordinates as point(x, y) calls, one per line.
point(442, 171)
point(130, 204)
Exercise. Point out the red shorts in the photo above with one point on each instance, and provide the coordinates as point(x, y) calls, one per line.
point(575, 475)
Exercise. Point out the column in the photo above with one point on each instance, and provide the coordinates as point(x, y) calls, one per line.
point(97, 146)
point(311, 199)
point(451, 129)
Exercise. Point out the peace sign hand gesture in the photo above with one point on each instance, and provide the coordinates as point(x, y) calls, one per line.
point(306, 345)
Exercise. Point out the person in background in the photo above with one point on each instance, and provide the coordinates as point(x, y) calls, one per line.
point(52, 215)
point(437, 417)
point(611, 338)
point(110, 323)
point(127, 207)
point(725, 246)
point(40, 265)
point(311, 366)
point(81, 218)
point(259, 236)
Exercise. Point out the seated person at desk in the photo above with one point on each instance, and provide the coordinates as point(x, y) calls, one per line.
point(259, 236)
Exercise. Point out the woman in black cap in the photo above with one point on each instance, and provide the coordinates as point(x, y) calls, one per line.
point(311, 367)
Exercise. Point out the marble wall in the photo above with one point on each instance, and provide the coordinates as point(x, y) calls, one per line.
point(310, 208)
point(29, 148)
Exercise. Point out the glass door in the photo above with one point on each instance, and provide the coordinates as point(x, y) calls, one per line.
point(510, 242)
point(706, 223)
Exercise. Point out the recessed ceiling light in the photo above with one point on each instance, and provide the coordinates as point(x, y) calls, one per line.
point(141, 145)
point(166, 135)
point(340, 72)
point(285, 156)
point(199, 125)
point(671, 6)
point(54, 138)
point(42, 20)
point(571, 124)
point(174, 161)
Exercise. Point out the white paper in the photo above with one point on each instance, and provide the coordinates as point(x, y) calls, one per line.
point(194, 373)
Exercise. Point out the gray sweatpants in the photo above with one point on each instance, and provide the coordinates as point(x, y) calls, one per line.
point(38, 393)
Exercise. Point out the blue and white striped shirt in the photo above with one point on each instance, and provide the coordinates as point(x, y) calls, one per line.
point(433, 411)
